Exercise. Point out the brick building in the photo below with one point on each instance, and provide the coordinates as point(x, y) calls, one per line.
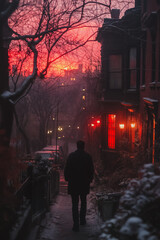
point(130, 82)
point(150, 76)
point(119, 101)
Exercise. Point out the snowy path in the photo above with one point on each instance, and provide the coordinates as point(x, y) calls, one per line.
point(57, 224)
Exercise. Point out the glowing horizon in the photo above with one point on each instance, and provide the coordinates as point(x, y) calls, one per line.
point(89, 55)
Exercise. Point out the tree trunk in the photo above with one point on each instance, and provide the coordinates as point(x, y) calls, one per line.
point(6, 108)
point(6, 120)
point(25, 138)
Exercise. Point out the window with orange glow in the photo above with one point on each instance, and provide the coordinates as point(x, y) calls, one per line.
point(111, 130)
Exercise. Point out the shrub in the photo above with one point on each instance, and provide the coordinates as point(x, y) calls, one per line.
point(138, 216)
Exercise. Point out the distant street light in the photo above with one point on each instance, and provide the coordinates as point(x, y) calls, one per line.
point(49, 132)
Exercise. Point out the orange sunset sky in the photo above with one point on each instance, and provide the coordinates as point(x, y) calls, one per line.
point(87, 55)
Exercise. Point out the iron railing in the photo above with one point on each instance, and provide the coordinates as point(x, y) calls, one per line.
point(33, 199)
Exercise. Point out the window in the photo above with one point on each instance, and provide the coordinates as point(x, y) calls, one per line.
point(132, 67)
point(111, 130)
point(115, 71)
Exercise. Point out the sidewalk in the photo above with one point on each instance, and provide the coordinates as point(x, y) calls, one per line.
point(57, 224)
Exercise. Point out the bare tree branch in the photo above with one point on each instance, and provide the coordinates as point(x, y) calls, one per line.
point(13, 97)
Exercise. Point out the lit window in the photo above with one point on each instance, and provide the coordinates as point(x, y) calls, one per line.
point(115, 71)
point(83, 89)
point(73, 79)
point(132, 67)
point(111, 130)
point(83, 97)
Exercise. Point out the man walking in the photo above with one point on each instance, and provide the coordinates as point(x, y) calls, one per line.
point(79, 171)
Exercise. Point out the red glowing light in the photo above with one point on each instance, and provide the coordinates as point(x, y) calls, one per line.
point(92, 124)
point(111, 131)
point(130, 110)
point(98, 121)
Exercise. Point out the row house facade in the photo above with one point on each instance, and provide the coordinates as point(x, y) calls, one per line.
point(130, 80)
point(150, 77)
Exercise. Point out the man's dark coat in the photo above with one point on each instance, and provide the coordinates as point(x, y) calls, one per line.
point(79, 172)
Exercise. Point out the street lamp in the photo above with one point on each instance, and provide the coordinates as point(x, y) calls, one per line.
point(49, 132)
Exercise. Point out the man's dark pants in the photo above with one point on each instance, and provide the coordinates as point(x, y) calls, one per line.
point(75, 211)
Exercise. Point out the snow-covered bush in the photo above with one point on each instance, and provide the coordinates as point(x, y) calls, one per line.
point(138, 216)
point(125, 166)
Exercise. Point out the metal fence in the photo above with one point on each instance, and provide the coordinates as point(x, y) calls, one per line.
point(33, 200)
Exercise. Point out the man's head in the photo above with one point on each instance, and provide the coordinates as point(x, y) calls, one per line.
point(80, 145)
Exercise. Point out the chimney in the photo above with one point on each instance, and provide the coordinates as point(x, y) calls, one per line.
point(115, 13)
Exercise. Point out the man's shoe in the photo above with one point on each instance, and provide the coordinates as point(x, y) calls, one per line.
point(75, 228)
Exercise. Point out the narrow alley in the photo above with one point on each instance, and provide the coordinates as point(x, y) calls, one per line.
point(57, 224)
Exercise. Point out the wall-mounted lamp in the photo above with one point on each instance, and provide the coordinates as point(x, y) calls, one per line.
point(121, 125)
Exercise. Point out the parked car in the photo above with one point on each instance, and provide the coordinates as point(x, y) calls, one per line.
point(44, 155)
point(57, 152)
point(53, 148)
